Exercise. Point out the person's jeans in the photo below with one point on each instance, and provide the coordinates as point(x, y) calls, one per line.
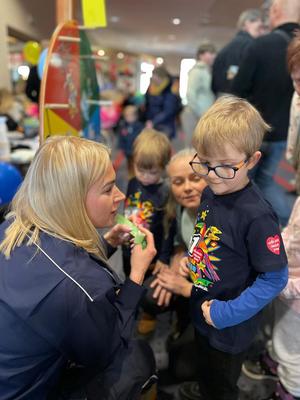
point(263, 176)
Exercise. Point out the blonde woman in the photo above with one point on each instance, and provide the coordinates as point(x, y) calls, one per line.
point(60, 301)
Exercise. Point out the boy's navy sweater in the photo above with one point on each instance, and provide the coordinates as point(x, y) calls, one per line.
point(238, 259)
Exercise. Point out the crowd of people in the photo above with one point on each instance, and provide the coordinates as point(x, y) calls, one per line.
point(220, 243)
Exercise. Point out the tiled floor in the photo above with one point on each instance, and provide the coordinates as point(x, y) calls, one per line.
point(249, 389)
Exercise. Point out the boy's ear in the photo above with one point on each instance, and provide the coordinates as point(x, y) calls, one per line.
point(253, 160)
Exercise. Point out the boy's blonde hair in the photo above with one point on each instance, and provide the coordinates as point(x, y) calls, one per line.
point(230, 120)
point(151, 149)
point(52, 196)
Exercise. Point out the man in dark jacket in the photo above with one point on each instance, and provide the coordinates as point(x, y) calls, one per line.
point(263, 79)
point(227, 62)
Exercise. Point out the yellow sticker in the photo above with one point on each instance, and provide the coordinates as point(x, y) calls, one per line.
point(94, 13)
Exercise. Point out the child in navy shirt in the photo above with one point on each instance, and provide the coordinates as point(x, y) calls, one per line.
point(147, 191)
point(128, 130)
point(236, 258)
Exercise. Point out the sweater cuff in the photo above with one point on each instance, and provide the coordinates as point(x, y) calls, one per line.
point(110, 250)
point(131, 293)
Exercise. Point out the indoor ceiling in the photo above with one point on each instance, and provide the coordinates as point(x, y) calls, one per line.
point(146, 26)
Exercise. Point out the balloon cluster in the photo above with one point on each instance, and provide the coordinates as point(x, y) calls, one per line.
point(41, 63)
point(31, 52)
point(34, 55)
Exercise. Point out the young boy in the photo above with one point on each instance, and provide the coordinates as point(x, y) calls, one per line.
point(237, 260)
point(147, 192)
point(128, 130)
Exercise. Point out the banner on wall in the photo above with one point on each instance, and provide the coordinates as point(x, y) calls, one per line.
point(69, 100)
point(94, 13)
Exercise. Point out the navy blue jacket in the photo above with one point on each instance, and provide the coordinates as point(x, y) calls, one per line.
point(230, 56)
point(127, 133)
point(264, 80)
point(47, 320)
point(162, 110)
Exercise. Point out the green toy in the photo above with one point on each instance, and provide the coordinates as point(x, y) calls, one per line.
point(139, 237)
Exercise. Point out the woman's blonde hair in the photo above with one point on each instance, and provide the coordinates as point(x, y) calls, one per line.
point(151, 149)
point(170, 208)
point(230, 120)
point(52, 196)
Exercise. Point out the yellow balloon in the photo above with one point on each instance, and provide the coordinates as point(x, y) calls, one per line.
point(31, 52)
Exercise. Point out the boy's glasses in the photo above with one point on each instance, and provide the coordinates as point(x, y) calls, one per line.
point(222, 171)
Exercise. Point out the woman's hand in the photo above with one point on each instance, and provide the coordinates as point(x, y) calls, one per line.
point(141, 258)
point(183, 268)
point(117, 235)
point(175, 261)
point(158, 266)
point(173, 282)
point(162, 295)
point(205, 307)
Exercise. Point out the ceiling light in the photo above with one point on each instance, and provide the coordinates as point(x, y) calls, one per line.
point(101, 52)
point(159, 60)
point(114, 19)
point(176, 21)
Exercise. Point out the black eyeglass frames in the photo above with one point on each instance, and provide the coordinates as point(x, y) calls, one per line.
point(222, 171)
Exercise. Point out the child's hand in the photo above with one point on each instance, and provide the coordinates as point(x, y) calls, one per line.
point(117, 235)
point(158, 267)
point(183, 268)
point(174, 282)
point(205, 307)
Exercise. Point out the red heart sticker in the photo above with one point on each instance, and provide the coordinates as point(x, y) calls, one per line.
point(273, 244)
